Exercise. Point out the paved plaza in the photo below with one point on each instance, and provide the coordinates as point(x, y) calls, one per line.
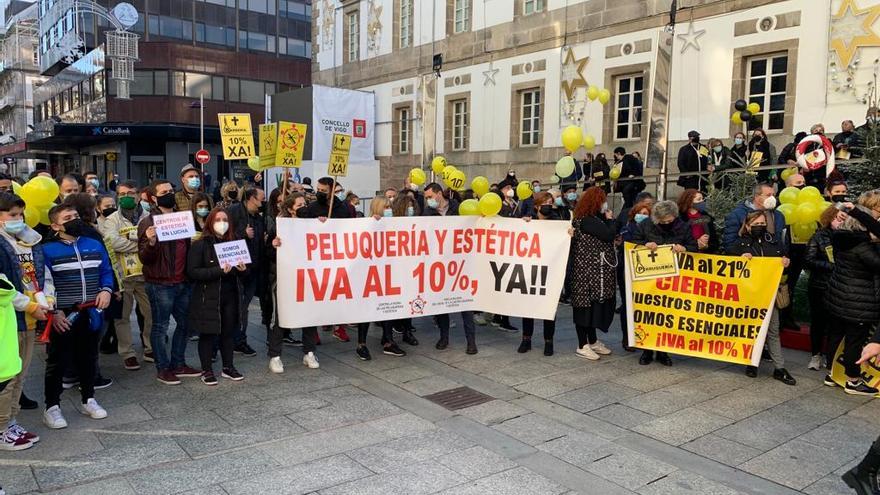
point(555, 425)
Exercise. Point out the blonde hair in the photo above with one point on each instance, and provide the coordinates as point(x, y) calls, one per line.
point(868, 201)
point(378, 205)
point(229, 186)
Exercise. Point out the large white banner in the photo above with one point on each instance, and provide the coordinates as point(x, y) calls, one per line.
point(343, 111)
point(365, 270)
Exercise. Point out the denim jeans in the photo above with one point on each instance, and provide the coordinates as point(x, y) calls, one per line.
point(249, 288)
point(167, 301)
point(467, 319)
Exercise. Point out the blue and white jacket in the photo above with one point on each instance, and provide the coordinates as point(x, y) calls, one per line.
point(80, 270)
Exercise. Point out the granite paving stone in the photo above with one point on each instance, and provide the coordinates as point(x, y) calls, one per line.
point(386, 457)
point(518, 481)
point(534, 429)
point(682, 426)
point(476, 462)
point(301, 478)
point(796, 464)
point(626, 467)
point(623, 416)
point(684, 483)
point(493, 412)
point(595, 396)
point(722, 450)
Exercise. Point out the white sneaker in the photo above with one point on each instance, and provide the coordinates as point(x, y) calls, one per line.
point(815, 362)
point(93, 410)
point(600, 348)
point(275, 365)
point(587, 353)
point(53, 418)
point(311, 361)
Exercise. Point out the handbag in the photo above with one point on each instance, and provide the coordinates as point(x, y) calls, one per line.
point(783, 297)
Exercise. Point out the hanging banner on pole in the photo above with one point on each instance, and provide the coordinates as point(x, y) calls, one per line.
point(268, 144)
point(367, 270)
point(338, 164)
point(236, 135)
point(291, 143)
point(716, 307)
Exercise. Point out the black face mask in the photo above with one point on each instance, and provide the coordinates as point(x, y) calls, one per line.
point(75, 227)
point(546, 210)
point(166, 201)
point(758, 231)
point(262, 208)
point(838, 198)
point(106, 212)
point(232, 195)
point(801, 186)
point(666, 226)
point(322, 197)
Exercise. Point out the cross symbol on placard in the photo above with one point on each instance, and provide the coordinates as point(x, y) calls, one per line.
point(653, 256)
point(342, 141)
point(235, 120)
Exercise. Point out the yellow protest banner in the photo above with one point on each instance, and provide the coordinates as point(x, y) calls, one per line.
point(291, 142)
point(268, 144)
point(236, 135)
point(338, 164)
point(647, 264)
point(717, 307)
point(870, 370)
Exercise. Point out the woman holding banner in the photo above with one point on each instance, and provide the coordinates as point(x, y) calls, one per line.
point(637, 214)
point(545, 211)
point(594, 274)
point(754, 240)
point(215, 302)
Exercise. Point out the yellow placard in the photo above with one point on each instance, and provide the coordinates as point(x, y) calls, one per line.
point(236, 135)
point(338, 164)
point(870, 370)
point(268, 144)
point(647, 264)
point(291, 142)
point(717, 307)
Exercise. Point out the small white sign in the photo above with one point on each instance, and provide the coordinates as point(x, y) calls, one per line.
point(126, 14)
point(232, 253)
point(173, 226)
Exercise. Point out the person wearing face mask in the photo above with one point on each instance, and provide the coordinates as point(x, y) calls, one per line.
point(759, 154)
point(22, 261)
point(636, 215)
point(596, 173)
point(754, 240)
point(819, 261)
point(693, 160)
point(230, 194)
point(169, 290)
point(762, 200)
point(69, 184)
point(104, 207)
point(569, 198)
point(91, 179)
point(120, 231)
point(82, 275)
point(719, 161)
point(692, 208)
point(739, 152)
point(191, 183)
point(216, 302)
point(631, 170)
point(787, 155)
point(201, 206)
point(320, 208)
point(664, 227)
point(352, 201)
point(836, 188)
point(247, 217)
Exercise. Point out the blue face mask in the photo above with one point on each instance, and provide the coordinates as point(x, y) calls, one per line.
point(558, 201)
point(432, 203)
point(13, 227)
point(387, 212)
point(738, 141)
point(202, 212)
point(536, 188)
point(700, 207)
point(640, 217)
point(410, 211)
point(145, 205)
point(94, 182)
point(193, 182)
point(340, 196)
point(718, 149)
point(571, 196)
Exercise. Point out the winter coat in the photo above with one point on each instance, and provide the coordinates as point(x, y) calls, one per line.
point(680, 233)
point(80, 269)
point(766, 247)
point(10, 266)
point(159, 259)
point(594, 261)
point(739, 156)
point(121, 235)
point(734, 221)
point(764, 148)
point(451, 211)
point(854, 289)
point(10, 362)
point(690, 160)
point(708, 223)
point(207, 275)
point(819, 259)
point(240, 219)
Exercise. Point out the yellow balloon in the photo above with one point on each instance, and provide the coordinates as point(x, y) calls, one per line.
point(604, 96)
point(44, 214)
point(253, 163)
point(810, 194)
point(446, 174)
point(417, 176)
point(788, 173)
point(490, 204)
point(469, 207)
point(592, 92)
point(31, 216)
point(438, 164)
point(480, 185)
point(16, 188)
point(589, 142)
point(524, 190)
point(789, 195)
point(39, 191)
point(787, 211)
point(565, 167)
point(736, 119)
point(572, 137)
point(804, 230)
point(614, 174)
point(806, 213)
point(456, 180)
point(754, 108)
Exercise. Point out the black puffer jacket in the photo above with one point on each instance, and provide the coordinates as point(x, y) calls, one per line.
point(817, 259)
point(680, 233)
point(206, 275)
point(854, 289)
point(766, 247)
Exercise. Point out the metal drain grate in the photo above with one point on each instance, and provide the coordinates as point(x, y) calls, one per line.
point(458, 398)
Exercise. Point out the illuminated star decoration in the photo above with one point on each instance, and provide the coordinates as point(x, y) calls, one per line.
point(691, 38)
point(573, 74)
point(847, 27)
point(489, 76)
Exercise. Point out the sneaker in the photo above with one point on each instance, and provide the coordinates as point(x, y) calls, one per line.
point(131, 363)
point(232, 374)
point(93, 410)
point(587, 352)
point(524, 346)
point(275, 365)
point(815, 362)
point(507, 327)
point(751, 371)
point(442, 344)
point(18, 430)
point(394, 328)
point(168, 377)
point(548, 348)
point(53, 418)
point(208, 378)
point(26, 403)
point(149, 357)
point(194, 338)
point(310, 361)
point(859, 388)
point(101, 382)
point(245, 349)
point(409, 339)
point(292, 341)
point(393, 350)
point(187, 372)
point(785, 377)
point(600, 348)
point(340, 334)
point(363, 353)
point(12, 442)
point(69, 384)
point(829, 382)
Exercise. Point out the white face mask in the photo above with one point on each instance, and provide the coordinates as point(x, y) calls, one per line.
point(770, 203)
point(221, 226)
point(509, 193)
